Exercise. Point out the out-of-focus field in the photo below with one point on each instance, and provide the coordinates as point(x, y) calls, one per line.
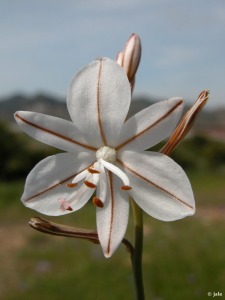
point(181, 260)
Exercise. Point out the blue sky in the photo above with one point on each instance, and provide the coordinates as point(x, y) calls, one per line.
point(44, 43)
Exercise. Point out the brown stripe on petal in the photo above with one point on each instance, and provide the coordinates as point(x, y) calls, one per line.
point(154, 184)
point(49, 188)
point(59, 135)
point(90, 184)
point(98, 96)
point(150, 126)
point(63, 181)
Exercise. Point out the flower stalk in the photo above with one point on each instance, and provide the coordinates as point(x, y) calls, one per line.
point(136, 257)
point(177, 136)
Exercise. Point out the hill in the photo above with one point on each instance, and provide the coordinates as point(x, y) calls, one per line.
point(209, 122)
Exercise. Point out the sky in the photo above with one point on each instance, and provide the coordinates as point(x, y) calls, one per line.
point(44, 43)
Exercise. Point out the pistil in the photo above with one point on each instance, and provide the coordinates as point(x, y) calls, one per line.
point(94, 175)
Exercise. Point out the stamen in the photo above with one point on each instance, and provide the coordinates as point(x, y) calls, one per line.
point(97, 202)
point(126, 187)
point(117, 171)
point(90, 184)
point(80, 176)
point(71, 185)
point(82, 193)
point(102, 185)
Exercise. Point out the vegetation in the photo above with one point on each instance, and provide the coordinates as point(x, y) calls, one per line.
point(182, 260)
point(19, 154)
point(200, 153)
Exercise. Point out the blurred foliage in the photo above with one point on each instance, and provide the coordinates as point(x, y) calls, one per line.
point(191, 251)
point(201, 153)
point(181, 260)
point(20, 153)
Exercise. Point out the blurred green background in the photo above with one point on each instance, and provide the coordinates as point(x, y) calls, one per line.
point(181, 260)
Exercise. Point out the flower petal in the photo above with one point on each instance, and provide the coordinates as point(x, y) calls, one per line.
point(53, 131)
point(46, 187)
point(98, 101)
point(159, 185)
point(80, 197)
point(112, 219)
point(151, 125)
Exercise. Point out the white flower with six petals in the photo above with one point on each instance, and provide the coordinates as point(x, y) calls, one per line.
point(106, 153)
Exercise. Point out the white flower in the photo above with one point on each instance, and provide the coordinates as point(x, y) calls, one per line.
point(107, 154)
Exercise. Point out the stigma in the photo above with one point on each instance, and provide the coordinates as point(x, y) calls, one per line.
point(106, 153)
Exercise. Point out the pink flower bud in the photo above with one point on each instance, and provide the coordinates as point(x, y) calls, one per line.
point(129, 59)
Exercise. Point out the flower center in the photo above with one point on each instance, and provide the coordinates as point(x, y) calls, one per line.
point(106, 153)
point(90, 177)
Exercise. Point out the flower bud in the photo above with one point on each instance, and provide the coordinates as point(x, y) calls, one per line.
point(130, 57)
point(119, 58)
point(48, 227)
point(63, 230)
point(186, 123)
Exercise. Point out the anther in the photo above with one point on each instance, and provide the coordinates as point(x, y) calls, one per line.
point(93, 171)
point(126, 187)
point(69, 208)
point(90, 184)
point(97, 202)
point(71, 185)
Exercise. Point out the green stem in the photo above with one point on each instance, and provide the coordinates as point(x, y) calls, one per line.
point(136, 256)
